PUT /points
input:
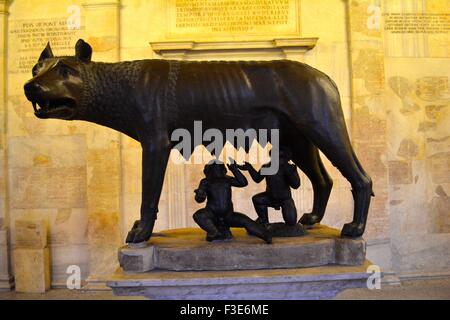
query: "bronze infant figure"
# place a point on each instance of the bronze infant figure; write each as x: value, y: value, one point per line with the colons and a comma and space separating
x: 149, y: 99
x: 219, y: 215
x: 278, y: 189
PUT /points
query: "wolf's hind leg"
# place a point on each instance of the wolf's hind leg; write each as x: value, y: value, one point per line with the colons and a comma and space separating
x: 334, y: 142
x: 306, y: 157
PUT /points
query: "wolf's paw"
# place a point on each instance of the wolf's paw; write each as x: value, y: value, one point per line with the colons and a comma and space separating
x: 267, y: 237
x: 141, y: 232
x: 352, y: 230
x: 309, y: 219
x: 136, y: 224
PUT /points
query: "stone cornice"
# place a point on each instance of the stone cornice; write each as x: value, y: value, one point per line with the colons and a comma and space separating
x: 180, y: 49
x: 101, y: 4
x: 4, y: 6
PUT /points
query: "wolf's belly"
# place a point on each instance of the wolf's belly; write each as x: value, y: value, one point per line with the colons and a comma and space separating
x: 225, y: 89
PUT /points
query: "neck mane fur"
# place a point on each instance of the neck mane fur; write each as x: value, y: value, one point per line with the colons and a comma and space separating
x: 107, y: 94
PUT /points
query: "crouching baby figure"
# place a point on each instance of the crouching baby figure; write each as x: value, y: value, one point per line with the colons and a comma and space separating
x: 219, y: 216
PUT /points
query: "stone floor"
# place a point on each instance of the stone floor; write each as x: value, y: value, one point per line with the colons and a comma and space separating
x: 417, y: 289
x: 436, y: 289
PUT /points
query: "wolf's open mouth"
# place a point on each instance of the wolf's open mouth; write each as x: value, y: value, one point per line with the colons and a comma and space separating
x: 58, y: 108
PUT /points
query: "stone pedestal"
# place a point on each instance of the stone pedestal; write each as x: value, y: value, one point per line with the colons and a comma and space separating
x: 187, y: 250
x: 180, y: 264
x: 277, y: 284
x: 6, y: 280
x: 32, y: 270
x: 31, y: 257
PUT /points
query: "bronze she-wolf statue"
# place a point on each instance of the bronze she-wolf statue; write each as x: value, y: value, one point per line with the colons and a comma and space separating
x: 148, y: 99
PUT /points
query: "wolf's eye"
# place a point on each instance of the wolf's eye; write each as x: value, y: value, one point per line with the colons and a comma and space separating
x: 34, y: 72
x: 65, y: 71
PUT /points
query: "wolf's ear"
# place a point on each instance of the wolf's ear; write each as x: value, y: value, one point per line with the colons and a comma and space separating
x: 83, y: 51
x: 47, y: 53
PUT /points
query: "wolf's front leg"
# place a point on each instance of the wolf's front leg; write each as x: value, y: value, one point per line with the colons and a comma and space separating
x: 154, y: 162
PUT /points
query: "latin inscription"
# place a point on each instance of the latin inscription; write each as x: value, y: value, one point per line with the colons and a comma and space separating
x: 30, y: 38
x: 412, y: 23
x: 222, y: 17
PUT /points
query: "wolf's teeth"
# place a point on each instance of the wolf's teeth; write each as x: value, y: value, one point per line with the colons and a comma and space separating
x: 34, y: 106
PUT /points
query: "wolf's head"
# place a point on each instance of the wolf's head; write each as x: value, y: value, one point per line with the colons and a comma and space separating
x: 56, y: 89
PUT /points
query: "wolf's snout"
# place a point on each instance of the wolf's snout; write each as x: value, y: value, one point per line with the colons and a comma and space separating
x: 32, y: 89
x: 31, y: 86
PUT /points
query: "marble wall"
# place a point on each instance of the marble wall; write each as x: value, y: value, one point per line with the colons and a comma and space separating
x: 418, y: 158
x: 84, y: 180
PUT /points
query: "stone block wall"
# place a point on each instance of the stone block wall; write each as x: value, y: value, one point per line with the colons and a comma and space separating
x: 84, y: 180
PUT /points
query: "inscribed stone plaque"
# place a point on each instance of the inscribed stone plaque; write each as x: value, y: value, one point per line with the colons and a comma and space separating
x: 29, y: 37
x: 47, y: 187
x: 417, y: 34
x: 424, y: 23
x: 230, y: 18
x: 31, y: 234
